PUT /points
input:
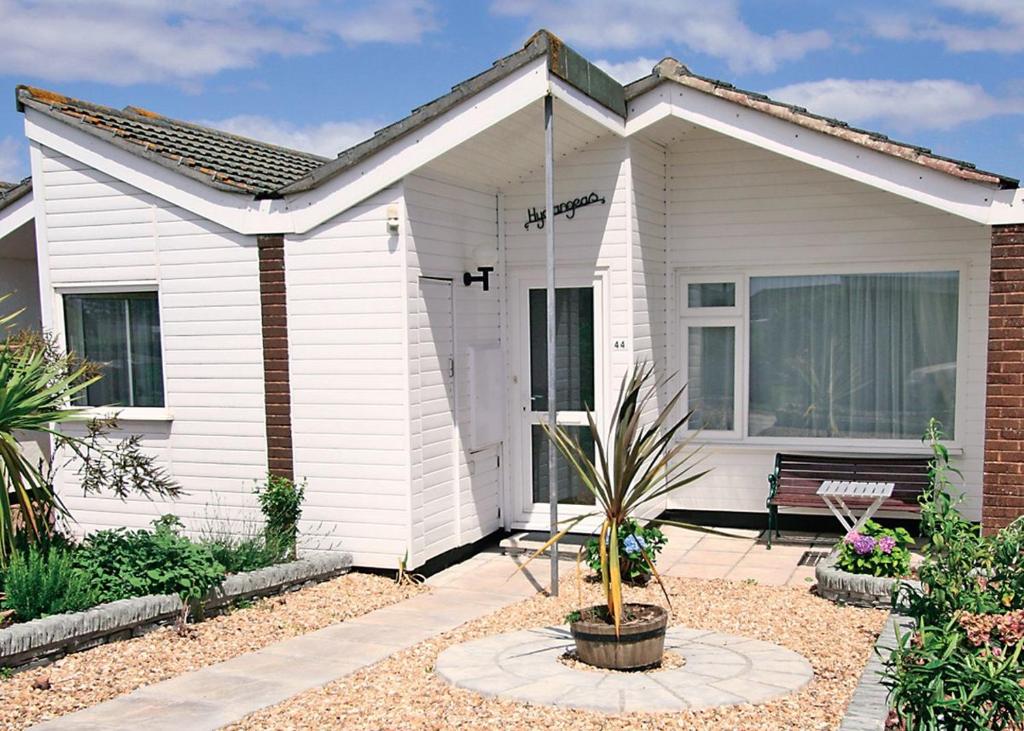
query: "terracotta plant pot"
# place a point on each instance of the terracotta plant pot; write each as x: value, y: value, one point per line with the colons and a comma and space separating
x: 640, y: 644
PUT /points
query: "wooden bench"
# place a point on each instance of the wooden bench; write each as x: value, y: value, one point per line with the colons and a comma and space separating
x: 795, y: 481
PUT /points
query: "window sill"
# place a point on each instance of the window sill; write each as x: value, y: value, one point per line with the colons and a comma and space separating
x: 822, y: 446
x: 141, y: 413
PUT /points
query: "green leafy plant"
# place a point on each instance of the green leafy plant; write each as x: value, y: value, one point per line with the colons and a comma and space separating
x: 638, y: 462
x: 876, y: 551
x: 122, y: 563
x: 38, y: 383
x: 40, y: 583
x: 245, y: 553
x: 634, y: 541
x: 960, y: 667
x: 280, y: 501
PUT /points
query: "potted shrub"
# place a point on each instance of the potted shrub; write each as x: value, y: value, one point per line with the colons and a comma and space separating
x: 637, y: 462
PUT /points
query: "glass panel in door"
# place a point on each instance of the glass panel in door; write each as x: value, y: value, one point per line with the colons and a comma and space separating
x: 574, y: 388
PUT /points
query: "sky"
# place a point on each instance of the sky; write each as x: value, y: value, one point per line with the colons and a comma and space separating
x: 321, y: 75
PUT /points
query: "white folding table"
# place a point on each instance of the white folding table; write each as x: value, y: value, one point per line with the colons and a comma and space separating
x: 835, y: 493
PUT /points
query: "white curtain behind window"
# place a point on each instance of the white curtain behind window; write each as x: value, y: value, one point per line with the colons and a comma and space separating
x: 854, y: 356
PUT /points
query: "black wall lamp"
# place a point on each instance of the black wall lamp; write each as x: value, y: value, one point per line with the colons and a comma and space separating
x: 485, y: 257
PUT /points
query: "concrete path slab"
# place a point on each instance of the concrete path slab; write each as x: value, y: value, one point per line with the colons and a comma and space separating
x: 220, y: 694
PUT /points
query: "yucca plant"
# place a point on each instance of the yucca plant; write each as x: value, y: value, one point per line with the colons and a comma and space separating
x: 35, y: 396
x: 638, y: 462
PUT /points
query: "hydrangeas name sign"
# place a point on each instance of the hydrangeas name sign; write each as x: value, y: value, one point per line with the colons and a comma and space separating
x: 569, y: 208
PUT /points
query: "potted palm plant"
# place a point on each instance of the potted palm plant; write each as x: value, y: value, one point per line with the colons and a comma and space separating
x: 639, y: 461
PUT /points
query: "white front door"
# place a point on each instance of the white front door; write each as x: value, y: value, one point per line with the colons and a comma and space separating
x: 579, y: 387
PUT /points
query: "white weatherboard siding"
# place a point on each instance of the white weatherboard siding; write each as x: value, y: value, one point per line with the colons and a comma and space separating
x: 648, y: 259
x: 19, y: 278
x: 101, y: 232
x: 734, y: 207
x: 346, y: 331
x: 446, y: 222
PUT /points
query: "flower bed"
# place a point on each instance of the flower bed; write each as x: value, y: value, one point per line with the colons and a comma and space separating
x: 49, y: 637
x: 101, y: 673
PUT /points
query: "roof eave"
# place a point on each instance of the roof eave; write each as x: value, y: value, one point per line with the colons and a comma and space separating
x: 9, y: 196
x: 673, y: 71
x: 563, y: 62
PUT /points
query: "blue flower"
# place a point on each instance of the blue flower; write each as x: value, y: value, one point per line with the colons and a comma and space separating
x: 631, y: 545
x: 641, y: 541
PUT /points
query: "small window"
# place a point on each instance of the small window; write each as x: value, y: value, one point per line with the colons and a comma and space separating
x: 711, y: 294
x: 711, y: 377
x: 121, y: 332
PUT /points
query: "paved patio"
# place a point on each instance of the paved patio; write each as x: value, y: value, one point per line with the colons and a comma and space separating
x: 220, y: 694
x: 691, y: 553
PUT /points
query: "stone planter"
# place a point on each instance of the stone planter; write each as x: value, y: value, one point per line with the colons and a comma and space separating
x: 638, y: 645
x: 859, y: 590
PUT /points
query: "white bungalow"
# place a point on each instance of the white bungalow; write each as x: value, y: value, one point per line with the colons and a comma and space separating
x: 821, y: 288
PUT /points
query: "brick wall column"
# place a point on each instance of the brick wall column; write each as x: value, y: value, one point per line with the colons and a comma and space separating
x: 1003, y: 489
x: 277, y: 392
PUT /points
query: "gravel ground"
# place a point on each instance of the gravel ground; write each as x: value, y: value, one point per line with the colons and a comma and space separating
x: 87, y: 678
x: 402, y: 692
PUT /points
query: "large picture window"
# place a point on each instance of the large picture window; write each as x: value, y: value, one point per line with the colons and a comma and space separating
x: 830, y: 356
x: 121, y: 332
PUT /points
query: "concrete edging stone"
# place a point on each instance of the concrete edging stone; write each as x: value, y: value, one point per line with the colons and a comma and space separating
x: 859, y: 590
x: 43, y: 640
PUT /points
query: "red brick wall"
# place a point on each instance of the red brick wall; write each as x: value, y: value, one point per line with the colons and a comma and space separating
x: 1003, y: 495
x: 277, y: 399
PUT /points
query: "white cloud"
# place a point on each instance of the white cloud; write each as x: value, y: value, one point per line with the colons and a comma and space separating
x: 136, y: 41
x: 13, y: 160
x: 627, y: 71
x: 904, y: 106
x: 327, y: 138
x: 713, y: 28
x: 988, y: 26
x: 390, y: 21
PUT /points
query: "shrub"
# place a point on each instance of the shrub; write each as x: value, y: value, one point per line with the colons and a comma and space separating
x: 876, y: 551
x: 280, y: 501
x: 40, y: 583
x: 122, y: 563
x: 245, y: 553
x: 960, y: 667
x: 633, y: 539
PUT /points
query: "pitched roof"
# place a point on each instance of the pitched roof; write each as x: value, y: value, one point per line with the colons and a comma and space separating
x: 669, y: 69
x: 225, y: 161
x: 563, y: 62
x: 241, y: 165
x: 11, y: 192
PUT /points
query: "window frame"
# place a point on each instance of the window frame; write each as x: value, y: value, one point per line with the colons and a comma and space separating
x: 741, y: 435
x: 714, y: 317
x: 123, y: 413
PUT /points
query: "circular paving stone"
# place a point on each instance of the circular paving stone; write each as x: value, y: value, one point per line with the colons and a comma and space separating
x: 720, y: 670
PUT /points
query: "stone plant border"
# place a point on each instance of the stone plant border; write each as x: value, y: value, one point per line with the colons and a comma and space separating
x: 43, y: 640
x: 869, y: 706
x: 859, y: 590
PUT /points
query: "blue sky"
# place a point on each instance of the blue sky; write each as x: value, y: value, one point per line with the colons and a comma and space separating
x: 321, y: 75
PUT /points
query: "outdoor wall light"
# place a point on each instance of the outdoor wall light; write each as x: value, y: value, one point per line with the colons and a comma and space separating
x: 485, y: 257
x: 392, y: 219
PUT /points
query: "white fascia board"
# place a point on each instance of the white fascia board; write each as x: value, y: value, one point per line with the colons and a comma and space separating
x: 1007, y: 208
x: 16, y: 215
x: 974, y: 201
x: 586, y: 106
x: 409, y: 153
x: 238, y: 212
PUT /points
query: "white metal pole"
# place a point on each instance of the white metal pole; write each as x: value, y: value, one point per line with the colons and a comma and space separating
x: 549, y: 223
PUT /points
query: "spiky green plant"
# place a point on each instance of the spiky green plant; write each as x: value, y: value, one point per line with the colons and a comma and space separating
x: 639, y: 461
x: 35, y: 393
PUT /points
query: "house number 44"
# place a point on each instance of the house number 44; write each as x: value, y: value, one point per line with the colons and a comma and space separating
x: 618, y: 345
